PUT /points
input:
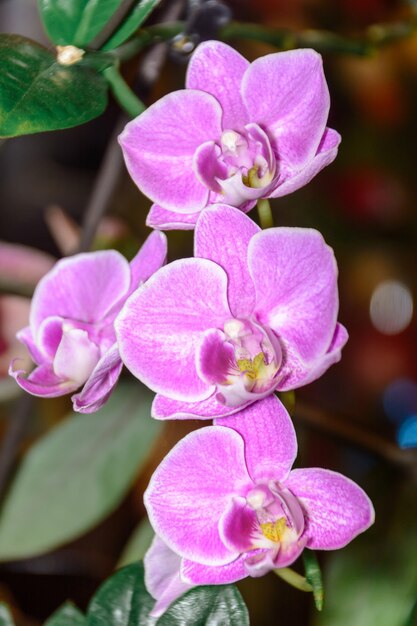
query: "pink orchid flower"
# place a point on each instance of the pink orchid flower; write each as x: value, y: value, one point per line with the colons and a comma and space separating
x: 239, y: 132
x: 71, y: 335
x: 255, y: 311
x: 225, y: 505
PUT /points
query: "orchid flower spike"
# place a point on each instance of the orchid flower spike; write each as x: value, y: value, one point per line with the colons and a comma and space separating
x: 240, y: 131
x: 225, y: 504
x: 255, y: 311
x: 71, y: 335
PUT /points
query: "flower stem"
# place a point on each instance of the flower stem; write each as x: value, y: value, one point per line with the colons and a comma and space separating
x: 293, y: 578
x: 265, y: 214
x: 122, y: 92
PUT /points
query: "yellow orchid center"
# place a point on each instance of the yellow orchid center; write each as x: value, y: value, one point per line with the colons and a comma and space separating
x: 274, y: 531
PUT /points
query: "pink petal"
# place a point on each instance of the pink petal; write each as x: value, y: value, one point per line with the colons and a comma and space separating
x: 100, y: 384
x: 291, y: 180
x: 219, y: 69
x: 190, y: 490
x: 151, y: 256
x: 207, y: 166
x: 84, y: 287
x: 286, y: 93
x: 76, y: 356
x: 164, y: 408
x: 297, y: 373
x: 162, y: 576
x: 158, y: 217
x: 198, y: 574
x: 289, y: 552
x: 162, y: 324
x: 49, y: 336
x: 43, y: 382
x: 337, y: 509
x: 159, y: 145
x: 269, y: 436
x: 214, y: 357
x: 238, y: 525
x: 223, y: 234
x: 295, y: 277
x: 21, y: 265
x: 25, y: 336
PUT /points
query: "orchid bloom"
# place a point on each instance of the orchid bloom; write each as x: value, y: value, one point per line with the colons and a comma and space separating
x: 240, y: 131
x: 225, y: 505
x: 71, y: 335
x: 255, y: 311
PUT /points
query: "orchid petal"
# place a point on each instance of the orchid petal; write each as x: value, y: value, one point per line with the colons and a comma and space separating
x: 295, y: 277
x: 198, y: 574
x: 269, y: 436
x: 162, y: 323
x: 223, y: 234
x: 191, y: 489
x: 159, y: 145
x: 43, y: 381
x: 151, y: 256
x: 214, y: 356
x: 238, y: 525
x: 286, y: 93
x: 84, y: 287
x: 165, y: 408
x: 159, y: 217
x: 76, y: 356
x: 25, y: 336
x: 336, y: 508
x: 218, y: 69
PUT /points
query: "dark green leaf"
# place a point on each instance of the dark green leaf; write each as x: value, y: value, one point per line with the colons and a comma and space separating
x: 5, y: 617
x: 67, y: 615
x: 38, y: 94
x: 138, y: 543
x: 76, y: 22
x: 206, y: 606
x: 133, y: 20
x: 77, y: 474
x: 121, y: 600
x: 412, y: 618
x: 313, y: 576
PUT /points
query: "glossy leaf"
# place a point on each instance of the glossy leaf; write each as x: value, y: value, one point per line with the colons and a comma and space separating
x: 38, y: 94
x: 313, y: 577
x: 124, y: 600
x: 133, y: 20
x: 76, y: 22
x: 67, y: 615
x: 77, y: 474
x: 5, y: 616
x: 138, y: 543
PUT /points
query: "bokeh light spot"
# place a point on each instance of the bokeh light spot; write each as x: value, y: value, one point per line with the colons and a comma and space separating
x: 391, y: 308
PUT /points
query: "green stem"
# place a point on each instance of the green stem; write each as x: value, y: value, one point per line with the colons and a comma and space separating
x: 152, y: 34
x: 293, y: 579
x: 123, y: 93
x: 265, y: 214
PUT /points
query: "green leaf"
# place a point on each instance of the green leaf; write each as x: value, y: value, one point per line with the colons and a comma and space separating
x: 133, y: 20
x: 38, y: 94
x: 77, y: 474
x: 76, y: 22
x: 313, y: 576
x: 138, y: 543
x: 204, y: 606
x: 5, y: 617
x: 67, y: 615
x: 124, y: 600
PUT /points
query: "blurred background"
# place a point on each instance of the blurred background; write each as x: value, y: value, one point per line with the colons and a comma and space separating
x: 360, y: 418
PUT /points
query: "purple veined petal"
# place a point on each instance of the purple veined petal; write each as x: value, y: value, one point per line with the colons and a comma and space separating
x: 214, y: 355
x: 286, y: 93
x: 223, y: 234
x: 296, y: 373
x: 162, y: 323
x: 84, y: 287
x: 76, y: 356
x: 207, y: 166
x: 164, y: 408
x: 218, y: 69
x: 159, y: 146
x: 289, y: 552
x: 336, y: 508
x: 100, y: 384
x: 25, y: 336
x: 269, y: 436
x: 291, y: 180
x: 164, y: 219
x: 190, y: 490
x: 198, y: 574
x: 42, y: 381
x: 238, y: 525
x: 151, y: 256
x: 49, y: 336
x: 163, y: 581
x: 295, y: 277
